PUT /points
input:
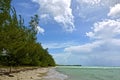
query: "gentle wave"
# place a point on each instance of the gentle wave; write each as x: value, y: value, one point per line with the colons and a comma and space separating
x: 90, y: 73
x: 88, y: 67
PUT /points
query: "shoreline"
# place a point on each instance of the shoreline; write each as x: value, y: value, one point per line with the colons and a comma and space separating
x: 37, y: 74
x: 53, y: 74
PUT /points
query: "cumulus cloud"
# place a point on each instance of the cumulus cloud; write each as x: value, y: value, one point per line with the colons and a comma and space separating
x: 115, y: 11
x: 98, y: 53
x: 105, y: 30
x: 58, y: 10
x: 102, y: 51
x: 82, y: 48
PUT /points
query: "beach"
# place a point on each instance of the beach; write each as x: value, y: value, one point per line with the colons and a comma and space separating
x: 35, y: 74
x: 52, y: 74
x: 66, y: 73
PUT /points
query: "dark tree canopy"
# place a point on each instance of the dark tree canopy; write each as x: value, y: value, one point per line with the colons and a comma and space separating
x: 18, y: 45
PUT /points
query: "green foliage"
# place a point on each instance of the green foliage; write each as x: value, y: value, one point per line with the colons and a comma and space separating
x: 4, y: 10
x: 18, y: 44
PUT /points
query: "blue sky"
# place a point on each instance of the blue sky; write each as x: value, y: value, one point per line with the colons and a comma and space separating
x: 85, y: 32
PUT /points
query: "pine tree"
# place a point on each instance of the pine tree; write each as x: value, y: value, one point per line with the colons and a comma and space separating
x: 18, y: 45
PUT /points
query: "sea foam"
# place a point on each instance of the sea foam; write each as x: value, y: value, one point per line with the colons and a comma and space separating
x: 54, y: 75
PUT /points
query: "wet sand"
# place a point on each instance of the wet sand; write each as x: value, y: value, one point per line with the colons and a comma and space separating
x: 52, y: 74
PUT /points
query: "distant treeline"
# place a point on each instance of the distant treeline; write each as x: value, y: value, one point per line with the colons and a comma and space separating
x: 18, y: 45
x: 68, y: 65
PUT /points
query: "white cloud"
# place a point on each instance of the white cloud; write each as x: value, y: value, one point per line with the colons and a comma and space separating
x: 105, y: 30
x: 103, y: 51
x: 91, y: 2
x: 109, y: 3
x: 99, y: 2
x: 58, y: 45
x: 82, y: 48
x: 40, y: 30
x: 115, y: 11
x: 58, y: 10
x: 44, y: 16
x: 98, y: 53
x: 88, y: 9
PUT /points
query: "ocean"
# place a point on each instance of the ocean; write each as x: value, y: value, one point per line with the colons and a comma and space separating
x: 89, y: 73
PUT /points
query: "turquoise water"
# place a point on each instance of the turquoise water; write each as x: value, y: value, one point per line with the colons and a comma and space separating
x: 90, y: 73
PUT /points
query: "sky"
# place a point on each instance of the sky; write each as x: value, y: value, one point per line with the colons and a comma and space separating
x: 85, y: 32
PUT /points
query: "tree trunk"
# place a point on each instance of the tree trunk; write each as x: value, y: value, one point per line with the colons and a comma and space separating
x: 10, y: 69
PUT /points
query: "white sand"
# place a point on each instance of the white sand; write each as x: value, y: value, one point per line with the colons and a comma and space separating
x: 54, y: 75
x: 36, y: 74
